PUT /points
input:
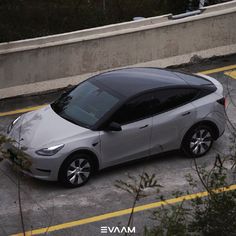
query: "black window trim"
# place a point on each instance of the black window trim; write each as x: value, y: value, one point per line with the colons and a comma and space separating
x: 134, y: 97
x: 104, y: 121
x: 183, y: 104
x: 100, y: 124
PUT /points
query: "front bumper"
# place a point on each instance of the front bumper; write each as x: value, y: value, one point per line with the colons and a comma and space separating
x: 44, y: 168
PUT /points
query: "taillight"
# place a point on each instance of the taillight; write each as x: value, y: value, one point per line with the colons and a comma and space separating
x: 222, y: 101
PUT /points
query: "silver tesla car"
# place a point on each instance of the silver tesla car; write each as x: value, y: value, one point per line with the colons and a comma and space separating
x: 119, y: 116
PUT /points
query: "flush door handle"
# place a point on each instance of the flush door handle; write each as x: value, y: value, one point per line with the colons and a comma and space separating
x: 143, y: 127
x: 186, y: 113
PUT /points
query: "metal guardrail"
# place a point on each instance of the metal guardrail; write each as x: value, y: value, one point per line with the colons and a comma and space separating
x: 186, y: 14
x: 176, y: 17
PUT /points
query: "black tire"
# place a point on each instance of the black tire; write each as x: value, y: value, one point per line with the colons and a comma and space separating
x: 76, y: 170
x: 198, y: 141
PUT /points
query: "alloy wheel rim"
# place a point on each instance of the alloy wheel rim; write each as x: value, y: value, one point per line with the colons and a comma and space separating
x: 78, y: 171
x: 200, y: 142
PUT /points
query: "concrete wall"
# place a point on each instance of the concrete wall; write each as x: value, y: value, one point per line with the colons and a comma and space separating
x: 52, y: 62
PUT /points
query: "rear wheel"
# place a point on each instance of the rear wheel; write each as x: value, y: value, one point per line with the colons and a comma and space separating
x: 198, y: 141
x: 76, y: 170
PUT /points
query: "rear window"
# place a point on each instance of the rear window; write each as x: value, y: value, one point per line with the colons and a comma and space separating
x: 168, y: 99
x: 193, y: 79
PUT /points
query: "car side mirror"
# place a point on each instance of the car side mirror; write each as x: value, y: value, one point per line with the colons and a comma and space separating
x: 114, y: 126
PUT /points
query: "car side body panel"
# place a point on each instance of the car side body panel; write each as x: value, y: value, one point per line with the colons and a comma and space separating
x: 132, y: 142
x: 169, y: 128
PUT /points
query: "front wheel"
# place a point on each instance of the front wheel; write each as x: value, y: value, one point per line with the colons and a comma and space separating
x: 198, y: 141
x: 76, y: 170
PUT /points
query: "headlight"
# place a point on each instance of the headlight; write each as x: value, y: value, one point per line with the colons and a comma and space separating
x: 12, y: 124
x: 50, y: 151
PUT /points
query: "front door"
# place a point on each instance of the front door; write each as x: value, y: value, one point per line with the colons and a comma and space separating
x: 133, y: 141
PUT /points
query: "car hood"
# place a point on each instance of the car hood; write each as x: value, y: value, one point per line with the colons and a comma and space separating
x: 43, y: 128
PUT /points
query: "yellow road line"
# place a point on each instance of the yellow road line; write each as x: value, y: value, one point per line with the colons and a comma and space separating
x: 19, y: 111
x: 207, y: 72
x: 231, y: 74
x: 122, y: 212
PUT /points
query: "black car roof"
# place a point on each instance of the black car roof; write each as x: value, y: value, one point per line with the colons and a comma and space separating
x: 131, y: 81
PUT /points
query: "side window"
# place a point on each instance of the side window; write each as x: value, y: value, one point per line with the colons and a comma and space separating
x: 134, y: 110
x: 168, y: 99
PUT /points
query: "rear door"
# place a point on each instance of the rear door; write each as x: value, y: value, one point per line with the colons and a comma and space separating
x: 174, y: 115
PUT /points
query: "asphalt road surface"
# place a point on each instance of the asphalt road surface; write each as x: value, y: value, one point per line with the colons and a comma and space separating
x: 80, y: 211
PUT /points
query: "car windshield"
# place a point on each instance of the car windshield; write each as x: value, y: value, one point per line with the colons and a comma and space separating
x: 85, y: 104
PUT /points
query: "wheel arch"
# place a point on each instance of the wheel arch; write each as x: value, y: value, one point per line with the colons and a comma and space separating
x: 83, y: 151
x: 208, y: 123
